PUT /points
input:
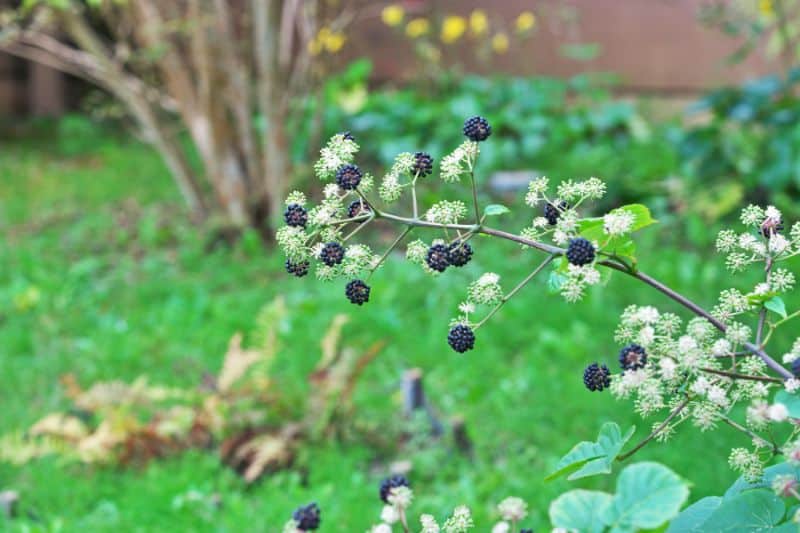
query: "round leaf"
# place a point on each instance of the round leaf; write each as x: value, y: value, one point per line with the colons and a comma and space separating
x: 580, y: 510
x: 648, y: 495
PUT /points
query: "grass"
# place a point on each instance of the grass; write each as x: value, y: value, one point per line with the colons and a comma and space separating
x: 100, y: 278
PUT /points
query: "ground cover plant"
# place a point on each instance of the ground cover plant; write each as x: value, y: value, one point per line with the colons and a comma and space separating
x: 695, y: 372
x: 95, y: 241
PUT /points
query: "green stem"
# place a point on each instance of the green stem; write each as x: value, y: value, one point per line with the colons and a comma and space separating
x: 515, y: 290
x: 387, y: 252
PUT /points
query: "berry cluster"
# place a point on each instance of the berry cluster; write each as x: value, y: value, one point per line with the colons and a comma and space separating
x: 580, y: 252
x: 596, y: 377
x: 461, y: 338
x: 477, y: 129
x: 390, y: 483
x: 423, y: 164
x: 438, y: 258
x: 357, y: 207
x: 632, y: 357
x: 357, y: 292
x: 459, y: 254
x: 771, y: 226
x: 348, y: 177
x: 296, y: 216
x: 332, y: 254
x: 553, y: 212
x: 298, y: 269
x: 307, y: 517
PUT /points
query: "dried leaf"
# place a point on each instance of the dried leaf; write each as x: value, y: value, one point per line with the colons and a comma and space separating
x: 236, y: 364
x: 61, y: 426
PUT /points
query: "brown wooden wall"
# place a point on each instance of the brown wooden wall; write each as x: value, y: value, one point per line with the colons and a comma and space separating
x: 654, y: 45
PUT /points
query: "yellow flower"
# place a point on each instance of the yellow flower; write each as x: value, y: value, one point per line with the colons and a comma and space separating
x: 315, y: 47
x: 392, y: 15
x: 500, y: 43
x: 526, y: 21
x: 765, y: 8
x: 417, y: 27
x: 334, y: 41
x: 478, y: 22
x: 453, y: 28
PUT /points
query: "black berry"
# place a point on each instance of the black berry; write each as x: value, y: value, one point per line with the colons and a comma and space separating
x: 296, y: 215
x: 525, y: 531
x: 357, y: 207
x: 459, y: 254
x: 477, y: 129
x: 357, y: 292
x: 332, y: 254
x: 347, y: 136
x: 580, y: 252
x: 298, y: 269
x: 632, y: 357
x: 423, y: 164
x: 596, y: 377
x: 307, y: 517
x: 437, y: 257
x: 461, y: 338
x: 796, y: 367
x: 348, y: 177
x: 390, y: 483
x: 770, y: 227
x: 553, y: 212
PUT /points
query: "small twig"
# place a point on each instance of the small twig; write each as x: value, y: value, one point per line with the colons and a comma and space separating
x: 388, y: 251
x: 515, y: 290
x: 656, y: 431
x: 737, y: 375
x: 749, y: 433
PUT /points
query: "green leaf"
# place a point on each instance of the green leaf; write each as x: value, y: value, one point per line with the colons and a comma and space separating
x: 648, y: 495
x: 580, y: 510
x: 642, y: 216
x: 693, y: 517
x: 752, y: 510
x: 776, y: 305
x: 494, y: 210
x: 592, y: 458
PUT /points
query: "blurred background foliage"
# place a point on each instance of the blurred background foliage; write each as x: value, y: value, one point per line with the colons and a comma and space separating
x: 105, y: 278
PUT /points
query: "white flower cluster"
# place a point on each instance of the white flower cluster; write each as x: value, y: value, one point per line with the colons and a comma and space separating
x: 576, y: 279
x: 296, y: 197
x: 537, y: 191
x: 794, y: 353
x: 681, y: 361
x: 459, y: 161
x: 357, y: 258
x: 618, y: 222
x: 762, y: 240
x: 339, y: 151
x: 747, y: 463
x: 576, y: 191
x: 460, y: 521
x: 513, y: 509
x: 291, y: 527
x: 446, y: 212
x: 486, y: 289
x: 570, y: 194
x: 392, y: 185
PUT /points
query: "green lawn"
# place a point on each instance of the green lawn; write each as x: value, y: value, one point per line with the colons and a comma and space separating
x: 99, y: 277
